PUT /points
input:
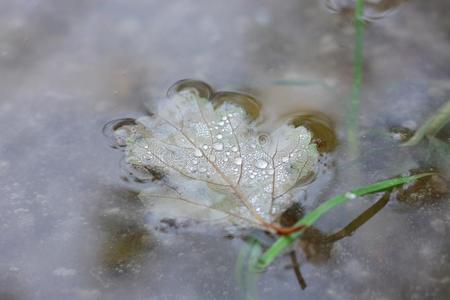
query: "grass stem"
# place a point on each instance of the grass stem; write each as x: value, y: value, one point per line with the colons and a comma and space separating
x: 285, y: 241
x: 358, y: 62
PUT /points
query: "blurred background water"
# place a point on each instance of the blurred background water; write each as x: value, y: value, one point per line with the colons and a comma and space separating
x: 71, y: 228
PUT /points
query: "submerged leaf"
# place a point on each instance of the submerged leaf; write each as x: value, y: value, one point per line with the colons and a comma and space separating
x: 216, y: 165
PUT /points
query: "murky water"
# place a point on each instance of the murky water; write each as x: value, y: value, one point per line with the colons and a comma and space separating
x: 71, y: 224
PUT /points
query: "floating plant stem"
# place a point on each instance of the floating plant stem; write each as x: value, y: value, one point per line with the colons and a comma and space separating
x: 306, y: 83
x: 358, y: 61
x: 283, y: 242
x: 432, y: 126
x: 298, y: 274
x: 350, y: 228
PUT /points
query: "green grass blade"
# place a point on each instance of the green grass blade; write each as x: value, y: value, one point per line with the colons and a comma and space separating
x: 244, y: 273
x: 283, y: 242
x: 439, y: 155
x: 358, y: 62
x: 432, y: 126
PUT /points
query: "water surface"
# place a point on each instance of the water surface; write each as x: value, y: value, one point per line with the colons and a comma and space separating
x: 72, y: 228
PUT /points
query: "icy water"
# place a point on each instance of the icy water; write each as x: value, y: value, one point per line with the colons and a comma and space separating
x: 71, y: 224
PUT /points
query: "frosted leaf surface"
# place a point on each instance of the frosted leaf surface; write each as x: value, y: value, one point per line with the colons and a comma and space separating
x: 215, y: 164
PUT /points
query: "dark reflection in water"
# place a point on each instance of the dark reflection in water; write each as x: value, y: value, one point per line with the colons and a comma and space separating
x: 249, y: 103
x: 426, y: 191
x: 124, y: 248
x: 126, y: 243
x: 321, y: 127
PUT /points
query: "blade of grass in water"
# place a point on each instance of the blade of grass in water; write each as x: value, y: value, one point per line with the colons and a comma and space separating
x: 244, y: 273
x: 432, y: 126
x: 303, y: 83
x: 358, y: 61
x: 283, y: 242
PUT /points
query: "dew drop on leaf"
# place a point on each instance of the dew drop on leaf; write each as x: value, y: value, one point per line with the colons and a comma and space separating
x: 238, y: 161
x: 218, y: 146
x: 350, y: 195
x: 261, y: 164
x: 198, y: 153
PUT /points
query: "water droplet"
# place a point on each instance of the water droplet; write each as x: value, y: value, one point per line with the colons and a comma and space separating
x: 224, y: 118
x: 234, y: 149
x: 221, y: 123
x: 195, y: 161
x: 230, y: 115
x: 270, y: 171
x: 219, y: 136
x: 212, y: 158
x: 349, y: 195
x: 205, y: 147
x: 261, y: 164
x: 285, y: 159
x: 198, y: 153
x: 252, y: 176
x: 202, y: 170
x: 238, y: 161
x: 218, y: 146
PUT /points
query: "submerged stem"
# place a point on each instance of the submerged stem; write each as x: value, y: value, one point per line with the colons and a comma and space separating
x: 432, y: 126
x: 285, y: 241
x: 358, y: 61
